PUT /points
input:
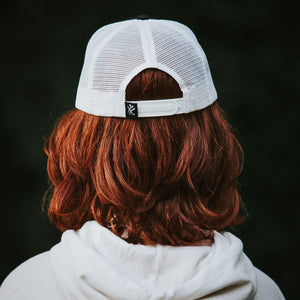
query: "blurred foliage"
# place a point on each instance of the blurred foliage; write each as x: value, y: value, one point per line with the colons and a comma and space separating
x: 250, y: 48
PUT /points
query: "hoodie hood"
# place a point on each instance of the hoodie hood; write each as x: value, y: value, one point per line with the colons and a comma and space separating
x: 93, y: 263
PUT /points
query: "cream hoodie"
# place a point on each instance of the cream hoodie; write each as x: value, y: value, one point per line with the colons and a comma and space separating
x: 93, y: 263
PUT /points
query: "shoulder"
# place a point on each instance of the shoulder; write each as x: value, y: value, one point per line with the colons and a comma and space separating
x: 31, y: 280
x: 266, y: 287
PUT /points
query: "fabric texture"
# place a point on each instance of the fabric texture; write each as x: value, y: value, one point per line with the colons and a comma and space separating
x: 93, y: 263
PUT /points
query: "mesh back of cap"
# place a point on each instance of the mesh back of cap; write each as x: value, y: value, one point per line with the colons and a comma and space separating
x: 119, y: 51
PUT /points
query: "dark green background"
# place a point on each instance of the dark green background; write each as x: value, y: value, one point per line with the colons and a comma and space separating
x: 251, y: 49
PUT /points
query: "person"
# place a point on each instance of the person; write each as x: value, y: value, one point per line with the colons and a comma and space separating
x: 144, y: 179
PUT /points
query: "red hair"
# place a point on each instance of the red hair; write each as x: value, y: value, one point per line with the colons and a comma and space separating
x: 167, y: 180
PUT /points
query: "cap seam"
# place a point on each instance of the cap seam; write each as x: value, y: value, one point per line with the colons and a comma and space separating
x: 148, y: 42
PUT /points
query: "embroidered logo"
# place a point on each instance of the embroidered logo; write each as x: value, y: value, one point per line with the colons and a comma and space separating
x: 131, y: 110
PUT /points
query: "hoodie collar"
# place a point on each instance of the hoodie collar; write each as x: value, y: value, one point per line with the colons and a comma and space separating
x: 94, y: 263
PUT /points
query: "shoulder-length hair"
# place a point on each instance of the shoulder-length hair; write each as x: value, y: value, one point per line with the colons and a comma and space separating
x: 158, y: 180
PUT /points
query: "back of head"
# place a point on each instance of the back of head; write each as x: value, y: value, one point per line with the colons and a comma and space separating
x: 165, y: 179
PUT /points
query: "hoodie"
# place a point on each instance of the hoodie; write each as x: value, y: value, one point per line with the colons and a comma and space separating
x: 93, y: 263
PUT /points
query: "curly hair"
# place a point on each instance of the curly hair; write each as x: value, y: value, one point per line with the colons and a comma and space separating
x: 158, y: 180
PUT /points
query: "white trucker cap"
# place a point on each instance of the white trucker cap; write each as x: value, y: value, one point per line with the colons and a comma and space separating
x: 117, y: 52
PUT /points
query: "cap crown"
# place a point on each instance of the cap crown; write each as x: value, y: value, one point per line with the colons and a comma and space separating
x: 119, y: 51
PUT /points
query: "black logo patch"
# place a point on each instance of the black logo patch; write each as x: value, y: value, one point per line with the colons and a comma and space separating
x: 131, y: 110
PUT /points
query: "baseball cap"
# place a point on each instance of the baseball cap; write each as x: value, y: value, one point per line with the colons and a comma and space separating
x: 117, y: 52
